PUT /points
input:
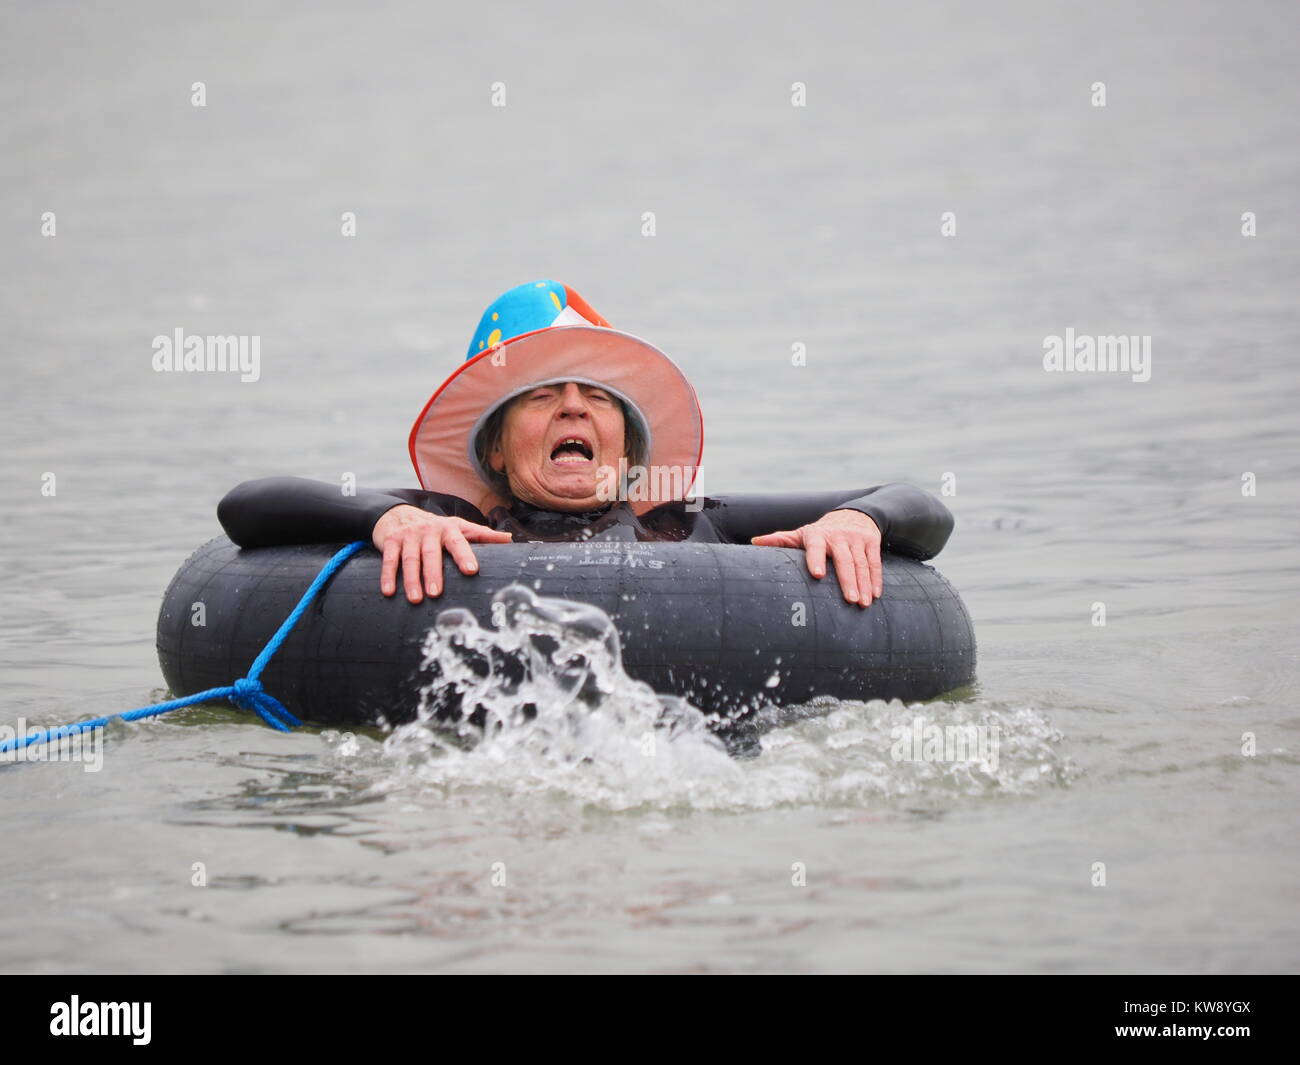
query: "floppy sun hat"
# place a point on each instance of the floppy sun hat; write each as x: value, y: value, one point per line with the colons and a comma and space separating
x: 543, y: 333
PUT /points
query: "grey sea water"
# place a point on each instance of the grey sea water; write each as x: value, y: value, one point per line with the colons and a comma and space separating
x: 1168, y: 504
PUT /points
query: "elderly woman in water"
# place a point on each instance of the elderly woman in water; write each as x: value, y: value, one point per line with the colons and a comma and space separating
x: 559, y: 427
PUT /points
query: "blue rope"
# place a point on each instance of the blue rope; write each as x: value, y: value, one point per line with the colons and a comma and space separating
x: 246, y: 693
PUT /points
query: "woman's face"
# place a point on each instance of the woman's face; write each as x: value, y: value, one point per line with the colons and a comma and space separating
x: 554, y: 439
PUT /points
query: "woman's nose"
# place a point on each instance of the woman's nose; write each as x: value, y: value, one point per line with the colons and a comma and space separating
x: 572, y: 401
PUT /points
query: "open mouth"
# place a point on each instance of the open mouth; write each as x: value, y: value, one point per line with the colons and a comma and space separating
x: 572, y: 449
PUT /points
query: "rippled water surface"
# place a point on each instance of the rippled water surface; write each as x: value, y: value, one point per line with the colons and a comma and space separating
x: 561, y: 845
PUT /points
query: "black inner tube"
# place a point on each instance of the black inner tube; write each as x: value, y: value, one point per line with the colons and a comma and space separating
x: 731, y: 628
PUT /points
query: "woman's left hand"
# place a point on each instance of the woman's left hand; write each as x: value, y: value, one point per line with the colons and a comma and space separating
x: 853, y: 542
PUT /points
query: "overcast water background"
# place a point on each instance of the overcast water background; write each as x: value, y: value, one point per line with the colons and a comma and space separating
x: 775, y: 225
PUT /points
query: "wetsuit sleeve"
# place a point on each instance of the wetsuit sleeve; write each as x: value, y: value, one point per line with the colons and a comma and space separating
x: 295, y: 510
x: 912, y: 521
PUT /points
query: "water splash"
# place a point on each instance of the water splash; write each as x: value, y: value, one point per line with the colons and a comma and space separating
x: 548, y: 678
x: 540, y: 704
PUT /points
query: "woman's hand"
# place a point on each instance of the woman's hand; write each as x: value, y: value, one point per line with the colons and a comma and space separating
x: 416, y: 539
x: 853, y: 541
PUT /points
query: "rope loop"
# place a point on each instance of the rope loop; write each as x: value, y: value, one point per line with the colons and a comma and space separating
x: 247, y: 693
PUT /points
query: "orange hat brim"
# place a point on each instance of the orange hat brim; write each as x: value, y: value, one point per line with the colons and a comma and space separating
x: 442, y: 438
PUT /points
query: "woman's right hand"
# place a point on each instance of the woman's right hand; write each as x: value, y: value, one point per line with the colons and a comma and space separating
x: 416, y: 539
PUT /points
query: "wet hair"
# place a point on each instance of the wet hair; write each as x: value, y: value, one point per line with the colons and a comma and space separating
x: 489, y: 438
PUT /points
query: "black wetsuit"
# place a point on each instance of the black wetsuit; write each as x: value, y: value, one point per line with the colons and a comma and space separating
x: 294, y: 510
